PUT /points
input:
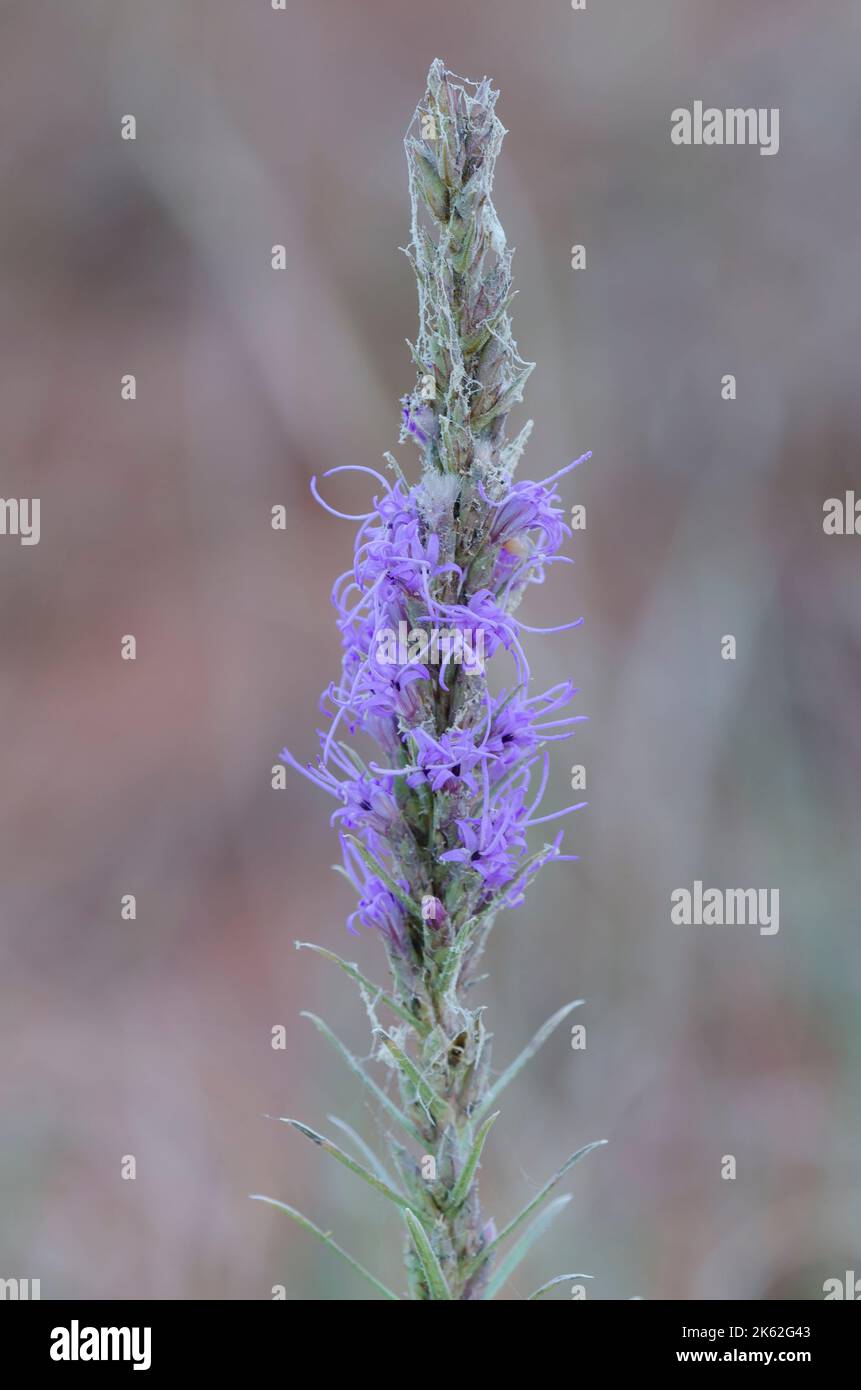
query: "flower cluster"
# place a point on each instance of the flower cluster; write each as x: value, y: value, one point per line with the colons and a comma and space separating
x: 453, y: 794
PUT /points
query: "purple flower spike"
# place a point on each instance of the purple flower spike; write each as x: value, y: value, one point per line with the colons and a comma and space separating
x: 439, y: 785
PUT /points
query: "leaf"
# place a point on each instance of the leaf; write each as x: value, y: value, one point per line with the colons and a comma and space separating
x: 326, y: 1238
x: 382, y: 874
x: 431, y: 185
x: 448, y: 974
x: 560, y: 1279
x: 436, y: 1107
x: 522, y: 1247
x: 348, y: 1162
x: 525, y: 1056
x: 364, y: 1149
x: 358, y: 1070
x: 531, y: 1206
x: 431, y: 1268
x: 461, y: 256
x: 393, y: 463
x: 478, y: 335
x: 378, y: 995
x: 462, y: 1186
x: 506, y: 399
x: 409, y: 1173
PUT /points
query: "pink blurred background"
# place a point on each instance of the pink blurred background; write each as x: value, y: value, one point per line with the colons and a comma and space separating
x: 152, y: 1037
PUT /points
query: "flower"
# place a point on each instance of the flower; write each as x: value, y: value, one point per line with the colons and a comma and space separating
x: 417, y: 419
x: 480, y: 766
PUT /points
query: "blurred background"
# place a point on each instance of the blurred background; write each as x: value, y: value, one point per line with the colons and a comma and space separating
x: 152, y: 1037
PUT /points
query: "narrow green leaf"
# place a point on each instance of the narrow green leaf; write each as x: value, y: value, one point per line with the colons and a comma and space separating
x: 531, y: 1206
x: 436, y: 1107
x: 390, y: 458
x: 378, y: 995
x: 431, y: 185
x: 461, y: 257
x: 522, y: 1247
x: 365, y: 1150
x: 358, y: 1070
x: 385, y: 877
x: 456, y: 954
x: 525, y: 1056
x: 551, y: 1283
x: 434, y: 1276
x: 410, y: 1174
x: 507, y: 398
x: 462, y: 1186
x: 347, y: 1161
x: 326, y: 1238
